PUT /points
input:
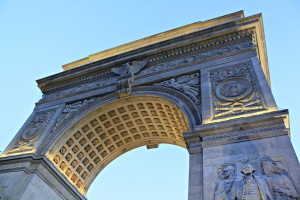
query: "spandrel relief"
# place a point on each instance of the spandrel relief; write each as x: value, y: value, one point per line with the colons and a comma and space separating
x: 32, y: 132
x: 187, y: 84
x: 70, y: 109
x: 279, y: 180
x: 235, y: 91
x: 272, y: 181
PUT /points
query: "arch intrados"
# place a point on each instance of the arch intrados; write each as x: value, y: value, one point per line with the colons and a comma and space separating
x: 185, y: 104
x: 97, y: 149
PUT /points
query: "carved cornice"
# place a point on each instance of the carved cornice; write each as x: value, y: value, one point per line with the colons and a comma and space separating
x: 198, y: 28
x: 160, y: 61
x: 204, y: 45
x: 77, y: 80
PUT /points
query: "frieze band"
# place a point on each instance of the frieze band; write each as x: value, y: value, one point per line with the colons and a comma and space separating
x: 241, y: 133
x: 108, y: 78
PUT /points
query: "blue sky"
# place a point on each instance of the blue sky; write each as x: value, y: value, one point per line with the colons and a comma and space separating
x: 37, y: 37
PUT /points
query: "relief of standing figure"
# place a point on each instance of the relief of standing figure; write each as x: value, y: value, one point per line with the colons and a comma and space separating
x: 254, y: 187
x: 282, y: 186
x: 224, y: 184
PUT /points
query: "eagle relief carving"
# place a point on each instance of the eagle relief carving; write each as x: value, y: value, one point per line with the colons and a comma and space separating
x: 126, y: 73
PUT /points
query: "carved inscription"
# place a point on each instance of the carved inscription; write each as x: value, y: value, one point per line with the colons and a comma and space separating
x: 187, y: 84
x: 235, y: 91
x: 31, y: 133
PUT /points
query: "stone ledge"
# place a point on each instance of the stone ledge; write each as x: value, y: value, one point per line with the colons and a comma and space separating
x: 270, y: 124
x: 40, y: 166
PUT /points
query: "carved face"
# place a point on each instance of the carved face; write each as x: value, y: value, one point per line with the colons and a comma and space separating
x: 228, y: 171
x: 248, y: 169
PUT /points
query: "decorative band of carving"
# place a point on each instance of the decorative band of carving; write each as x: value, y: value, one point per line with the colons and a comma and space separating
x: 108, y: 78
x: 241, y: 133
x: 201, y: 45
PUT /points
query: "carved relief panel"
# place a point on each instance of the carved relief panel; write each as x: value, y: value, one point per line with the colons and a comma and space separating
x: 2, y: 192
x: 29, y: 135
x: 255, y: 179
x: 232, y: 90
x: 189, y: 85
x: 162, y: 61
x: 235, y: 91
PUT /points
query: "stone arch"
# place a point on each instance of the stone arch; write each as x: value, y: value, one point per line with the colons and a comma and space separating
x: 112, y: 128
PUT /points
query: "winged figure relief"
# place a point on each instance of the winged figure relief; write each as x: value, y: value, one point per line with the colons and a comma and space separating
x: 130, y: 68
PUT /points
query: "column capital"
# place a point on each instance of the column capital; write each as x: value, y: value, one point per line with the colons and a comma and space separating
x: 193, y: 142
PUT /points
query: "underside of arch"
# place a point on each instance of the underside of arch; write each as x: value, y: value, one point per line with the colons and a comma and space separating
x: 111, y: 130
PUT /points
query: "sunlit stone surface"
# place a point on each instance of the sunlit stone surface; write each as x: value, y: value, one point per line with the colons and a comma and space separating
x: 204, y: 87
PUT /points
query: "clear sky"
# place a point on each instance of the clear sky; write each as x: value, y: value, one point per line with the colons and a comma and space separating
x: 37, y: 37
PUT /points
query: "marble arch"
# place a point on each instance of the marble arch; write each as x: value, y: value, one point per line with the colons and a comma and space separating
x: 204, y: 86
x: 112, y: 129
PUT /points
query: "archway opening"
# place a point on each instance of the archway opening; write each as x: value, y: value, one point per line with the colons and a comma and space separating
x: 109, y: 131
x: 160, y: 174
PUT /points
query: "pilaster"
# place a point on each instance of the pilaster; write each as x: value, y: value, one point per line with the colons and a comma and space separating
x: 261, y: 141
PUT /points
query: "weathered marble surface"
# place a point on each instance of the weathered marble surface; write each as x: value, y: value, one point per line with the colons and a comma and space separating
x: 208, y: 91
